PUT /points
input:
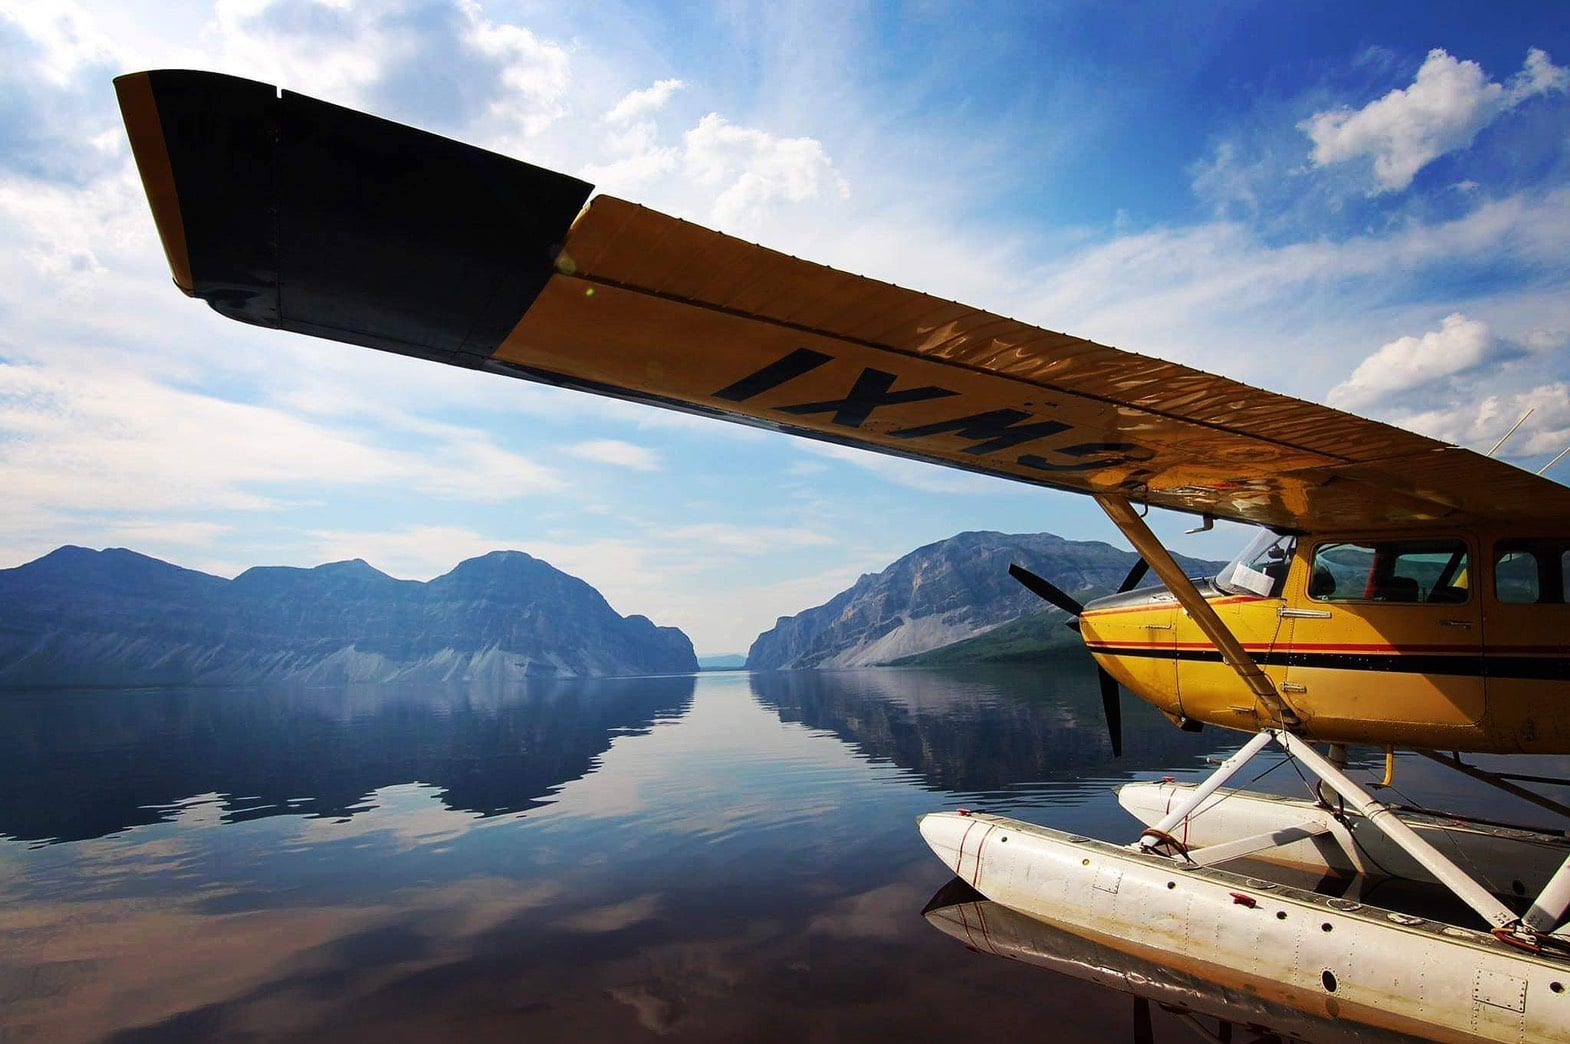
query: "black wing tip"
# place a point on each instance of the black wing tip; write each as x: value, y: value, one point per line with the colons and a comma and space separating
x: 385, y: 235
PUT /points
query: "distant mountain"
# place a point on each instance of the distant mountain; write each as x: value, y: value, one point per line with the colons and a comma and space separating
x: 726, y: 662
x: 941, y: 594
x: 1031, y: 637
x: 115, y: 617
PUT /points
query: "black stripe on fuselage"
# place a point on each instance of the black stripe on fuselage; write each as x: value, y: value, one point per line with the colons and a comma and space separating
x: 1530, y: 668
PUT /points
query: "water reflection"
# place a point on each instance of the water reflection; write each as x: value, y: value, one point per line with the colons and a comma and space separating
x: 707, y: 859
x: 78, y: 765
x: 1212, y: 1008
x: 1011, y: 737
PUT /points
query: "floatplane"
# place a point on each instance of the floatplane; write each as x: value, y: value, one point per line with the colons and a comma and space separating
x: 1402, y: 593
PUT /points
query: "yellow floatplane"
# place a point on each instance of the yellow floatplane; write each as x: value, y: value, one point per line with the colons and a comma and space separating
x: 1402, y: 593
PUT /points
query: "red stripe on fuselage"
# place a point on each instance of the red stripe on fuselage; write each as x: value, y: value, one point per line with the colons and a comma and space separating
x: 1149, y: 606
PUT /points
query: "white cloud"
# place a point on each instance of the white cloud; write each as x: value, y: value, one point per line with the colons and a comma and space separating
x: 646, y: 102
x: 150, y: 532
x: 303, y: 45
x: 623, y: 177
x: 617, y: 453
x: 1442, y: 111
x: 1546, y: 340
x: 68, y: 39
x: 721, y: 174
x: 1466, y: 385
x: 747, y: 540
x: 1480, y: 423
x: 533, y: 73
x: 1221, y: 297
x: 108, y: 441
x: 443, y: 65
x: 751, y: 170
x: 1411, y: 362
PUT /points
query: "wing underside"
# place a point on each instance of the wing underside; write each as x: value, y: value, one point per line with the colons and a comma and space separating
x: 287, y: 212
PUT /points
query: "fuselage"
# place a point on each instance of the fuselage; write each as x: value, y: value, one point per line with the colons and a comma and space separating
x: 1453, y: 639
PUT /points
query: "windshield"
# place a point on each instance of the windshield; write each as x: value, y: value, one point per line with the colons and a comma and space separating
x: 1261, y: 567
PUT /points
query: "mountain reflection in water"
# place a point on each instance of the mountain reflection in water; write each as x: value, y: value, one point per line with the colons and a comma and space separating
x: 1023, y: 736
x: 76, y: 765
x: 700, y: 859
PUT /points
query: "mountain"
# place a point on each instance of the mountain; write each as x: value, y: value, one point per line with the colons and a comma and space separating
x: 941, y: 594
x: 1029, y: 638
x: 723, y: 662
x: 115, y: 617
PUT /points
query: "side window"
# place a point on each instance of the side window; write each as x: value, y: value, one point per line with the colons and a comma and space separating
x: 1531, y: 572
x: 1515, y: 578
x: 1340, y: 572
x: 1403, y: 571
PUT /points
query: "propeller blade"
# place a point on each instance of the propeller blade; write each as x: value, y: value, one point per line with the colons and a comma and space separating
x: 1112, y: 710
x: 1135, y: 575
x: 1045, y: 590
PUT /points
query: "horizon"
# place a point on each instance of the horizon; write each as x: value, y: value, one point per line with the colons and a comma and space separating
x: 621, y: 610
x: 1380, y: 199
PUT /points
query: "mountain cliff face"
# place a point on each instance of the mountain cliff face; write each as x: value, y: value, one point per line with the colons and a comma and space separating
x: 115, y: 617
x: 940, y: 594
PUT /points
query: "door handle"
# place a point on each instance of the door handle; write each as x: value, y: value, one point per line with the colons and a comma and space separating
x: 1455, y: 623
x: 1286, y: 613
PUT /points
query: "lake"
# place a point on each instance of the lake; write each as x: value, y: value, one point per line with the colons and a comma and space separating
x: 726, y: 857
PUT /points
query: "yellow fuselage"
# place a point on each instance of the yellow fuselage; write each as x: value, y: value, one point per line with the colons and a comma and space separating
x: 1448, y: 639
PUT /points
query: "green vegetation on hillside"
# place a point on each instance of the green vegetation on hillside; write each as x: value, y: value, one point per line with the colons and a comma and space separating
x: 1039, y: 636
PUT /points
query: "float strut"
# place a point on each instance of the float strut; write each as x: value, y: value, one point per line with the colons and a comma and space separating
x: 1550, y: 907
x: 1431, y: 859
x: 1162, y: 831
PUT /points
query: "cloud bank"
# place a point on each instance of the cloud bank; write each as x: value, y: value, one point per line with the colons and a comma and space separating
x: 1443, y: 111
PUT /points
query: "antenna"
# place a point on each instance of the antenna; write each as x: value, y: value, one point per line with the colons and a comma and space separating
x: 1544, y: 469
x: 1511, y: 432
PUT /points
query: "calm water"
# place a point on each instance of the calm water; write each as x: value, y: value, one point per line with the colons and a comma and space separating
x: 727, y: 857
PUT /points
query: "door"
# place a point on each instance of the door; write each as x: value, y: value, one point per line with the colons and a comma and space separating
x: 1528, y: 644
x: 1387, y: 632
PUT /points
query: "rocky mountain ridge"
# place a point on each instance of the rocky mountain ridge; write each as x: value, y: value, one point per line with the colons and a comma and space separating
x: 78, y: 617
x: 945, y: 592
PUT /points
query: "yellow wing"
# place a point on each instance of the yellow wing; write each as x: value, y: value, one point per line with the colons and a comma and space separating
x: 288, y: 212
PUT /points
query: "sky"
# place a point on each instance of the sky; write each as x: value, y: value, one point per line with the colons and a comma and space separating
x: 1362, y: 205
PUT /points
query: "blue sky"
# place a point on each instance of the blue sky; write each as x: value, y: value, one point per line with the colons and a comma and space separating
x: 1366, y: 205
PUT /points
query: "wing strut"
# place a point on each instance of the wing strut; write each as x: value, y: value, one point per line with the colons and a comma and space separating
x: 1150, y: 548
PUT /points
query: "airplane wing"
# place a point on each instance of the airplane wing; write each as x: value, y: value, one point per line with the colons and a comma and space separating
x: 288, y: 212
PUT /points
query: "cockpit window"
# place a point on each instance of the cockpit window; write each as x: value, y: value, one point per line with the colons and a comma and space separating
x: 1531, y: 572
x: 1261, y: 568
x: 1410, y: 571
